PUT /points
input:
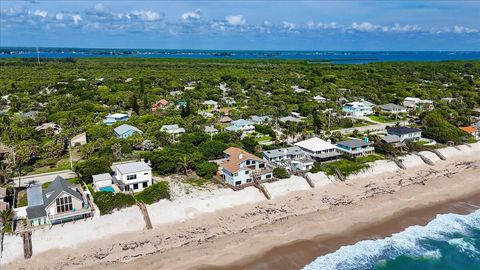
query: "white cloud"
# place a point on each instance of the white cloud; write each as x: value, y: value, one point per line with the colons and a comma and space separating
x: 464, y: 30
x: 365, y: 27
x: 192, y: 15
x: 405, y: 28
x: 59, y: 16
x: 267, y: 24
x: 76, y: 18
x: 289, y: 26
x: 40, y: 13
x: 235, y: 20
x: 146, y: 15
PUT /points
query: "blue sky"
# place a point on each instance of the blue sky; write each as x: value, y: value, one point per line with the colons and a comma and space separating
x: 263, y: 25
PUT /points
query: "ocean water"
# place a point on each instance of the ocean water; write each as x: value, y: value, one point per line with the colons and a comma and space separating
x: 336, y: 57
x: 450, y: 241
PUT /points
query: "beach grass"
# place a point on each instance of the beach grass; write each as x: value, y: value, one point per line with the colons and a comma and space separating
x: 347, y: 166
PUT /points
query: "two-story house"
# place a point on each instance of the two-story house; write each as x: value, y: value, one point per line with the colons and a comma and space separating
x: 241, y: 167
x: 406, y: 133
x: 292, y: 158
x: 132, y: 176
x: 357, y: 109
x: 356, y: 148
x: 242, y: 125
x: 319, y: 149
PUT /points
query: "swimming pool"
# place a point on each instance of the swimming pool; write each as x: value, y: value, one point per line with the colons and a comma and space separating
x: 107, y: 189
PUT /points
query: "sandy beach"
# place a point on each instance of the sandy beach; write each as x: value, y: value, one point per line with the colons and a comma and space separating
x: 287, y: 232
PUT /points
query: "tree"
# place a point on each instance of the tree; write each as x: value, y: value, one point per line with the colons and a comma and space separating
x: 250, y: 144
x: 134, y: 104
x: 117, y: 151
x: 143, y: 95
x: 317, y: 122
x: 91, y: 166
x: 212, y: 149
x: 7, y: 218
x: 184, y: 163
x: 206, y: 169
x: 281, y: 173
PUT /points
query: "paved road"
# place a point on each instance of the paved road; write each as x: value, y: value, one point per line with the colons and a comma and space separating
x: 372, y: 128
x: 43, y: 177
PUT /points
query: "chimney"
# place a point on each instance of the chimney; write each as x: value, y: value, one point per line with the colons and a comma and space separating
x: 240, y: 156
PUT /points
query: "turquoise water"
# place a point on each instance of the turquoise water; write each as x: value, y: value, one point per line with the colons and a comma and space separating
x: 107, y: 189
x: 450, y: 241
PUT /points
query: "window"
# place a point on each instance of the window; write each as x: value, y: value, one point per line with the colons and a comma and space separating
x: 268, y: 176
x: 247, y: 172
x: 64, y: 204
x: 238, y: 183
x: 127, y: 188
x: 261, y: 165
x: 145, y: 184
x: 131, y: 177
x: 249, y: 180
x: 135, y: 186
x: 145, y: 173
x: 248, y: 162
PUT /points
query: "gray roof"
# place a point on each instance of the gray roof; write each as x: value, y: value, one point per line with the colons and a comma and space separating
x: 260, y: 119
x: 37, y: 211
x: 291, y: 119
x: 125, y: 128
x: 293, y: 150
x: 210, y: 129
x: 30, y: 114
x: 101, y: 177
x: 368, y: 103
x: 354, y: 143
x: 34, y: 195
x: 133, y: 167
x: 58, y: 186
x: 391, y: 139
x: 392, y: 107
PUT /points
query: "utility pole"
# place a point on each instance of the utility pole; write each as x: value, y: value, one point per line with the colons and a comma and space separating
x: 70, y: 152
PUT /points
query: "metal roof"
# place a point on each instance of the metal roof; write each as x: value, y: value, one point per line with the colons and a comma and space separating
x: 101, y: 177
x: 402, y: 130
x: 133, y: 167
x: 126, y: 128
x: 293, y: 150
x: 354, y: 143
x: 34, y: 195
x: 58, y: 186
x: 315, y: 144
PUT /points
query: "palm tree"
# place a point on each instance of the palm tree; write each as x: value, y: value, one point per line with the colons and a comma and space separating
x: 6, y: 216
x: 184, y: 163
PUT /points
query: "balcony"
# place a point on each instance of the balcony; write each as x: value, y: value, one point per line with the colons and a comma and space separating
x: 70, y: 214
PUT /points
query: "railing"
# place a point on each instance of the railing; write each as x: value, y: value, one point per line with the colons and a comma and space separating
x: 70, y: 214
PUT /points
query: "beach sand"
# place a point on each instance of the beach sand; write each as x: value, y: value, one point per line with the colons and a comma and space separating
x: 292, y: 229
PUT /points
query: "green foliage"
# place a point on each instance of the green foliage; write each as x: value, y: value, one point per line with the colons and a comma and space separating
x: 6, y: 216
x: 213, y: 149
x: 249, y: 144
x: 440, y: 130
x: 280, y: 173
x: 109, y: 201
x: 206, y: 169
x: 154, y: 193
x: 267, y: 130
x: 92, y: 166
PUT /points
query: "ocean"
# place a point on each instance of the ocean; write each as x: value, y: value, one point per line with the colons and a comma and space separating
x: 450, y: 241
x: 335, y: 57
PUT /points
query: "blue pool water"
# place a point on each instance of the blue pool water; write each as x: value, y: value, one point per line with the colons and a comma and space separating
x: 107, y: 189
x: 450, y: 241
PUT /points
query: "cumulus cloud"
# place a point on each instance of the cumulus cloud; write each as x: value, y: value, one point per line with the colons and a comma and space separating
x: 145, y: 15
x: 40, y: 13
x: 190, y: 16
x: 289, y: 26
x: 365, y: 27
x: 464, y: 30
x: 235, y: 20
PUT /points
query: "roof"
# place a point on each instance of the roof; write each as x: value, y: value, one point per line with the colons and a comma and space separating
x: 391, y: 139
x: 81, y: 136
x: 210, y: 102
x: 354, y: 143
x: 290, y: 118
x: 172, y: 128
x: 402, y: 130
x: 357, y: 104
x: 469, y: 129
x: 235, y: 157
x: 260, y: 119
x: 3, y: 192
x: 315, y: 144
x: 34, y: 195
x: 241, y: 122
x: 30, y: 114
x: 293, y: 150
x: 58, y: 186
x: 126, y: 128
x: 392, y: 107
x: 412, y: 99
x: 116, y: 115
x: 133, y: 167
x: 210, y: 129
x: 368, y: 103
x: 101, y: 177
x: 163, y: 102
x: 37, y: 211
x: 225, y: 119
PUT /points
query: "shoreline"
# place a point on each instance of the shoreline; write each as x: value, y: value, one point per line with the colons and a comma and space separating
x: 297, y: 217
x: 299, y: 253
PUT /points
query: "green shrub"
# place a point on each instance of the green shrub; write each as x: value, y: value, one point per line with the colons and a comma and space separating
x: 206, y: 169
x: 108, y: 201
x: 280, y: 173
x: 154, y: 193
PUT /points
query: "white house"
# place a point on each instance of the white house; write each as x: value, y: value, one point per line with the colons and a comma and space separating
x: 79, y: 139
x: 245, y: 126
x: 211, y: 104
x: 115, y: 117
x: 356, y: 148
x: 417, y: 103
x: 392, y: 108
x: 293, y: 158
x: 357, y: 109
x: 319, y: 149
x: 406, y: 133
x: 132, y: 176
x: 172, y: 129
x: 241, y: 167
x: 319, y: 99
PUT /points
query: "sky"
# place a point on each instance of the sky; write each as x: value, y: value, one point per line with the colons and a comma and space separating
x: 242, y: 25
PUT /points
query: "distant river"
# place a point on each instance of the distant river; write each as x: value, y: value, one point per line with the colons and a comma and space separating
x: 337, y: 57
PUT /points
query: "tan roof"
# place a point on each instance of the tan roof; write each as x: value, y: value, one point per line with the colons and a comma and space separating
x: 225, y: 119
x: 224, y: 110
x: 237, y: 156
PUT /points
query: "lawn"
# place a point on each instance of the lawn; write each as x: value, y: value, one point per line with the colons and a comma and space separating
x: 381, y: 118
x: 348, y: 167
x: 60, y: 166
x: 264, y: 139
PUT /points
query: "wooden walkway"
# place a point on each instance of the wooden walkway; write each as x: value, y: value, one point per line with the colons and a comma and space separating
x: 146, y: 216
x: 27, y: 244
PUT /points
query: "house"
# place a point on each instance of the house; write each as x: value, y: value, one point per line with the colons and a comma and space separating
x: 356, y: 148
x: 224, y: 111
x: 29, y: 114
x: 368, y: 103
x: 211, y: 104
x: 392, y: 108
x: 125, y: 131
x: 45, y: 126
x: 102, y: 182
x: 298, y: 89
x: 319, y: 149
x: 161, y: 104
x: 417, y: 103
x: 241, y: 167
x: 175, y: 93
x: 229, y: 100
x: 319, y: 99
x: 181, y: 104
x: 61, y: 202
x: 292, y: 158
x: 260, y: 119
x: 132, y: 176
x: 172, y: 129
x: 357, y: 109
x: 225, y: 120
x: 211, y: 130
x: 79, y: 139
x: 113, y: 118
x: 405, y: 133
x: 241, y: 125
x: 471, y: 130
x: 393, y: 140
x: 293, y: 117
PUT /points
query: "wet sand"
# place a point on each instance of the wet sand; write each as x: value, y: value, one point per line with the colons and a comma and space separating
x: 297, y: 254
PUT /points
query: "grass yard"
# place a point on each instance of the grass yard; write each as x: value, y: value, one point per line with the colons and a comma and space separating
x: 381, y: 118
x: 348, y: 167
x: 60, y: 166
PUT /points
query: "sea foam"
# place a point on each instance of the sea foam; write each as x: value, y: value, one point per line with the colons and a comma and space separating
x: 368, y: 253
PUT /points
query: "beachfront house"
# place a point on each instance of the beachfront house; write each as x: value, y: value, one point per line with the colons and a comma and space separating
x: 102, y: 182
x: 356, y: 148
x: 241, y: 125
x: 61, y: 202
x: 392, y: 140
x: 319, y: 149
x: 115, y: 117
x: 472, y: 131
x: 125, y: 131
x: 406, y: 133
x: 79, y: 139
x: 132, y: 176
x: 241, y: 168
x: 392, y: 108
x: 417, y: 103
x: 357, y: 109
x: 161, y: 104
x: 292, y: 158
